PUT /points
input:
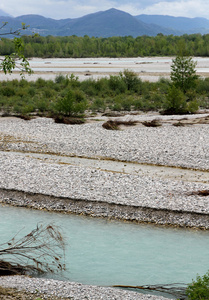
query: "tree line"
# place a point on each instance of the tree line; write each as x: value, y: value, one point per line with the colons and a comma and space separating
x: 81, y: 47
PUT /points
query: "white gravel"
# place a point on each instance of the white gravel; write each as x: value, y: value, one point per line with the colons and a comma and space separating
x: 71, y: 290
x: 75, y: 182
x: 167, y: 145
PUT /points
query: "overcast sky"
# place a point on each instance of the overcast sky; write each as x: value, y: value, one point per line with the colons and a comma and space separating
x: 62, y: 9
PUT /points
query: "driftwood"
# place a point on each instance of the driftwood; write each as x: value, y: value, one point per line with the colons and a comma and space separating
x: 175, y: 289
x: 115, y: 124
x: 40, y: 251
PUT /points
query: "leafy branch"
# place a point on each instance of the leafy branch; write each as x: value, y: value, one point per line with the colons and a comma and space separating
x: 16, y: 59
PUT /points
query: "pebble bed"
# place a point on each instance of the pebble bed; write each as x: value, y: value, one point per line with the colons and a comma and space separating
x: 75, y: 182
x: 167, y: 145
x: 71, y: 290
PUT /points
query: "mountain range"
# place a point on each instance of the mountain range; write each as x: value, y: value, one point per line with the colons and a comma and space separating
x: 107, y: 23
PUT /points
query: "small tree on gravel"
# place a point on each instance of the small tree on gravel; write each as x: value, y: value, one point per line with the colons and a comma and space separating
x: 181, y: 97
x: 183, y: 73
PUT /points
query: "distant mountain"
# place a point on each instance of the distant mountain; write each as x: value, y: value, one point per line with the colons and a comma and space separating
x: 179, y: 24
x: 108, y: 23
x: 3, y: 13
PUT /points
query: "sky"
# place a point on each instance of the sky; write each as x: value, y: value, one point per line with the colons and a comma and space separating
x: 62, y: 9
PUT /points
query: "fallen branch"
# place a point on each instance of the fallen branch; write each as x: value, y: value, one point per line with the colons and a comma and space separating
x: 40, y: 251
x: 176, y: 289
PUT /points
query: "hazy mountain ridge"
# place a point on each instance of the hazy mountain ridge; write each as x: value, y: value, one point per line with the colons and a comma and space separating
x: 108, y: 23
x: 182, y: 24
x: 3, y: 13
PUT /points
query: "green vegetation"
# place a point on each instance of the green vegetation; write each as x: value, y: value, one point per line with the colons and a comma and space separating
x: 68, y: 96
x: 199, y: 289
x: 73, y: 46
x: 14, y: 58
x: 181, y: 96
x: 183, y: 73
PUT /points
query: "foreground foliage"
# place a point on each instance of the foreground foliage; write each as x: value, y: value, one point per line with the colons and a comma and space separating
x: 14, y: 58
x: 199, y: 289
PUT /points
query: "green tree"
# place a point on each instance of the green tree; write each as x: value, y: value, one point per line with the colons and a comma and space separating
x: 183, y: 73
x: 16, y: 59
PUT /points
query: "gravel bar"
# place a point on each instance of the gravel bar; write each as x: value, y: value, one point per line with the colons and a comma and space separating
x: 166, y: 145
x: 42, y: 184
x: 71, y: 290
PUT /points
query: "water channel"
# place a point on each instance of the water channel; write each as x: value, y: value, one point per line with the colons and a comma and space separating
x: 102, y: 252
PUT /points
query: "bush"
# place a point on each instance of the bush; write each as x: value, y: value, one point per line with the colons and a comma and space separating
x: 132, y: 81
x: 175, y: 102
x: 98, y: 105
x: 40, y: 83
x: 117, y: 84
x: 60, y: 79
x: 68, y: 106
x: 199, y: 289
x: 7, y: 91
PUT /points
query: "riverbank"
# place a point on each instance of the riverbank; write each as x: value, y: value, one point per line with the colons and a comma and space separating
x: 56, y: 290
x: 52, y: 182
x: 43, y: 182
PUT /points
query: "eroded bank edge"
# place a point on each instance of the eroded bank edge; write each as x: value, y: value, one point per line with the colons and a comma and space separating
x: 162, y: 217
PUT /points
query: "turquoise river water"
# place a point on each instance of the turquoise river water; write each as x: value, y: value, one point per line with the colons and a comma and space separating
x: 102, y: 252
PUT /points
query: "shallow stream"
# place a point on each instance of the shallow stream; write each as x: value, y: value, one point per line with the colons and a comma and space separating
x: 102, y: 252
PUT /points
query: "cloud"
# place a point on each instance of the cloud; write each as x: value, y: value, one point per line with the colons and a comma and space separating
x: 60, y: 9
x: 186, y: 8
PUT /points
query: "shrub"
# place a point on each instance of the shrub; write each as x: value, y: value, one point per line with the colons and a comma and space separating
x: 60, y: 79
x: 42, y: 105
x: 199, y: 289
x: 48, y: 92
x: 88, y: 87
x: 23, y: 83
x: 22, y: 92
x: 68, y: 106
x: 7, y: 91
x: 126, y: 103
x: 40, y: 82
x: 117, y: 84
x: 138, y: 105
x: 175, y: 101
x: 98, y: 105
x: 31, y: 91
x: 132, y: 81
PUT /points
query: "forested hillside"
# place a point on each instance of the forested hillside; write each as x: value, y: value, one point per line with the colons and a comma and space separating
x: 73, y: 46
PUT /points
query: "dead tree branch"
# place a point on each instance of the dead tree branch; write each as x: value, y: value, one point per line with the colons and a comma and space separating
x: 176, y: 289
x: 40, y: 251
